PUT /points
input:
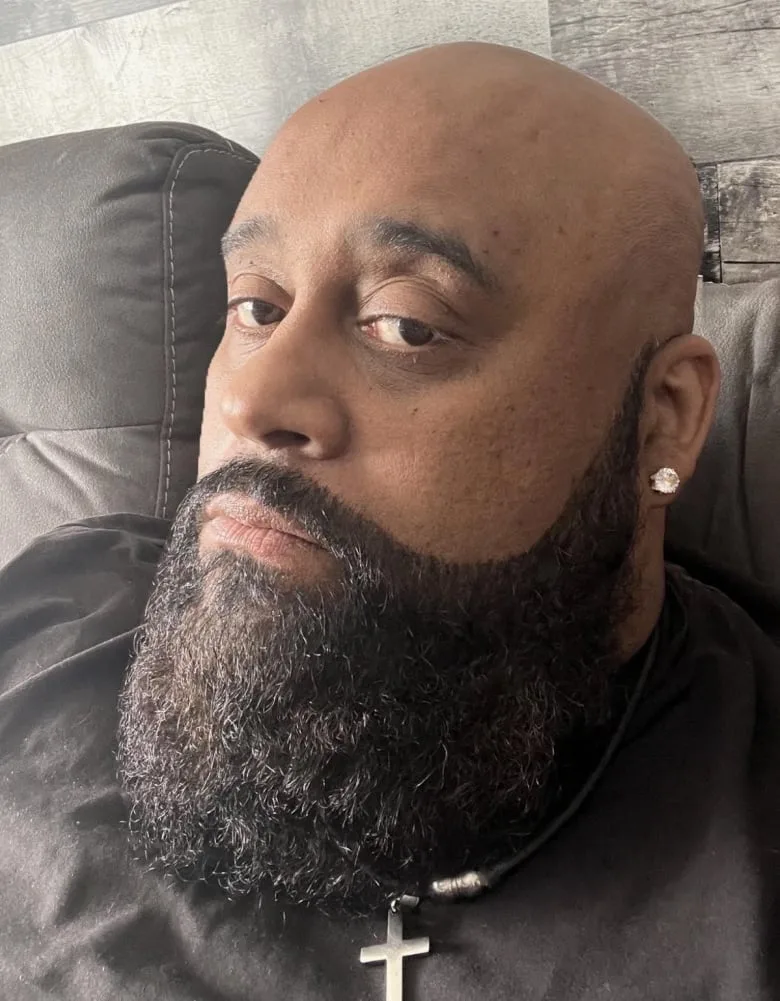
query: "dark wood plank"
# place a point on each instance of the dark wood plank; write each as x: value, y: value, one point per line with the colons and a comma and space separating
x: 709, y: 71
x: 31, y: 18
x: 711, y: 263
x: 749, y: 197
x: 742, y: 232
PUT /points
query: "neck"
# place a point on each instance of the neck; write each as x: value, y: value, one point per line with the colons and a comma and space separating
x: 650, y: 595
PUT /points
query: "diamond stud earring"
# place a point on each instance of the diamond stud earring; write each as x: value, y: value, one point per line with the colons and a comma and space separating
x: 665, y: 481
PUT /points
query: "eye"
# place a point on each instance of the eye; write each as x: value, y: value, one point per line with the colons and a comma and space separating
x: 402, y: 332
x: 254, y: 313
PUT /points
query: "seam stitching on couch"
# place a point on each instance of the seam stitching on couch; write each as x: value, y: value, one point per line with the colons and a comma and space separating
x: 192, y: 152
x: 10, y: 441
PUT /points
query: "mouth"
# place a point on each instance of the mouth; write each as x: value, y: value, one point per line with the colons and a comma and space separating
x: 254, y: 516
x: 234, y: 521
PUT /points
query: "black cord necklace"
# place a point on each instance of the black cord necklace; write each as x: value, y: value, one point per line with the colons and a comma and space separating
x: 476, y: 881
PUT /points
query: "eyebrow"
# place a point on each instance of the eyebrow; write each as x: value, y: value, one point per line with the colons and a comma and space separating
x: 421, y: 241
x: 244, y: 235
x: 408, y: 237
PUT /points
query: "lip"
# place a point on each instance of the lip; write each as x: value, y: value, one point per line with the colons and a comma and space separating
x: 254, y: 516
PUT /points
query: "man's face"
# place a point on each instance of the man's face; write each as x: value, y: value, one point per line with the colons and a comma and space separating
x: 401, y: 379
x: 408, y: 328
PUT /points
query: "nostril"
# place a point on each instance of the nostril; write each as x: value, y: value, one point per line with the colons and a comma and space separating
x: 285, y: 439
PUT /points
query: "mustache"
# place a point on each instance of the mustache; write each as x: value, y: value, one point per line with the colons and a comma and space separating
x: 331, y: 522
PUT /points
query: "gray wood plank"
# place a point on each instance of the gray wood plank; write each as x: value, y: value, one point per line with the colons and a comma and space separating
x: 749, y: 196
x: 742, y: 233
x: 32, y: 18
x: 239, y: 68
x: 710, y: 71
x: 735, y: 273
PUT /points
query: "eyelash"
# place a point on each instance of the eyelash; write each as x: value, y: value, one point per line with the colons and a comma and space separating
x: 442, y: 336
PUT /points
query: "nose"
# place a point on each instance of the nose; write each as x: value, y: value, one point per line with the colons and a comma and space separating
x: 285, y: 398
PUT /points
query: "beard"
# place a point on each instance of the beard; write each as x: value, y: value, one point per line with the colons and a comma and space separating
x: 341, y: 743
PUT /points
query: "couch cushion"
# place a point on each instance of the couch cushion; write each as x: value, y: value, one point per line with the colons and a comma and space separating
x: 730, y: 510
x: 112, y: 297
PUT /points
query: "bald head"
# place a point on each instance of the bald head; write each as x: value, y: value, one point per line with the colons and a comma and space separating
x: 464, y: 252
x: 567, y: 175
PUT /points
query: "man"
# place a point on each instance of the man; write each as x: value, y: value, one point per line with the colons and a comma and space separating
x: 413, y: 662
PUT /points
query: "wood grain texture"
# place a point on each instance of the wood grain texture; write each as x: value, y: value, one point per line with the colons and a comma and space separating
x: 749, y: 195
x: 239, y: 68
x: 711, y: 266
x: 742, y: 234
x: 709, y: 71
x: 735, y: 273
x: 32, y: 18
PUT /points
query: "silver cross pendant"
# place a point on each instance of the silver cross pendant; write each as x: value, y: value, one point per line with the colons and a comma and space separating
x: 393, y: 952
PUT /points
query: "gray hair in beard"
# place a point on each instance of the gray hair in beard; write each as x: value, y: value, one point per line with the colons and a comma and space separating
x: 340, y: 744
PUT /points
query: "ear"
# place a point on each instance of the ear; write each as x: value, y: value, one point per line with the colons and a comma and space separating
x: 681, y: 390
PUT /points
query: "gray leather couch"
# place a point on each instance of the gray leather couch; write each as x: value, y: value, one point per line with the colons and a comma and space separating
x: 112, y: 298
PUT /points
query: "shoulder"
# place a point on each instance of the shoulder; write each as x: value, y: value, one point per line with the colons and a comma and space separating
x: 747, y: 601
x: 75, y: 587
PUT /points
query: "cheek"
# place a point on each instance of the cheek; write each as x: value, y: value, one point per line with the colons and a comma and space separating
x: 470, y: 483
x: 473, y: 471
x: 213, y: 434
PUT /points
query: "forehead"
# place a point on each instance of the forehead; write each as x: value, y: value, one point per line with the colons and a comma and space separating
x: 325, y: 174
x: 499, y: 179
x: 373, y: 141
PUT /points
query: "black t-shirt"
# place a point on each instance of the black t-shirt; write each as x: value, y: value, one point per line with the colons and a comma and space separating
x: 663, y: 885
